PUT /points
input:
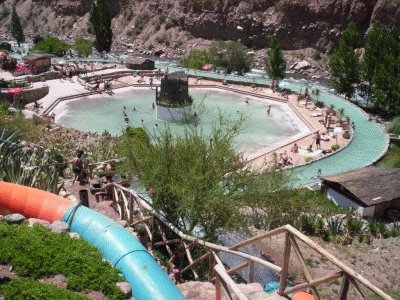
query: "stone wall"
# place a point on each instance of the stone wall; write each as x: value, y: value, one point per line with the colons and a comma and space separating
x: 47, y: 76
x: 27, y: 95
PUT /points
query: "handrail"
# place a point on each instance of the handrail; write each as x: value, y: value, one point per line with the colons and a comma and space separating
x: 348, y: 275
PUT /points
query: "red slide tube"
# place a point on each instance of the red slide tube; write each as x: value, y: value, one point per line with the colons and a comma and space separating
x: 32, y: 203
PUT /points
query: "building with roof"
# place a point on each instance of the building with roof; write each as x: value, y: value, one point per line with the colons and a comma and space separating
x: 139, y: 63
x: 371, y: 191
x: 38, y: 63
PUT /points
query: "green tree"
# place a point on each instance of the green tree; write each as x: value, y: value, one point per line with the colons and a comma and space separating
x: 230, y: 55
x: 196, y: 59
x: 381, y: 69
x: 16, y: 28
x: 51, y: 45
x: 344, y: 63
x: 82, y: 46
x: 275, y: 62
x: 100, y: 19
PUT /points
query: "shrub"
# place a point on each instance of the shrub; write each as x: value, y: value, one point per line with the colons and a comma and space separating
x: 335, y: 147
x: 317, y: 55
x: 355, y: 226
x: 82, y: 46
x: 395, y: 231
x: 308, y: 158
x: 51, y: 45
x: 346, y: 135
x: 196, y: 59
x: 307, y: 223
x: 394, y: 126
x: 335, y: 225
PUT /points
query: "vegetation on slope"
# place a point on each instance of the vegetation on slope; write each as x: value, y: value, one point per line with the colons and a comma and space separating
x: 36, y: 253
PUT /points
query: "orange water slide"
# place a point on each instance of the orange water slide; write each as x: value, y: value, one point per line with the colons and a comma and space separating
x: 32, y: 203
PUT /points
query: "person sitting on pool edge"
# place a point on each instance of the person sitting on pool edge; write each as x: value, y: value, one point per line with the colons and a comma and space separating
x: 295, y: 148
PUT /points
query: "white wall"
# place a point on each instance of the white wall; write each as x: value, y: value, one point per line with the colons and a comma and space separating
x: 342, y: 200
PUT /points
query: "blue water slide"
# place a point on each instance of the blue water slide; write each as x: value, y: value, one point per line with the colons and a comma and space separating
x: 125, y: 252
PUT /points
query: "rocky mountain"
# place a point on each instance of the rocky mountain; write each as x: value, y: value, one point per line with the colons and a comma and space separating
x: 172, y: 23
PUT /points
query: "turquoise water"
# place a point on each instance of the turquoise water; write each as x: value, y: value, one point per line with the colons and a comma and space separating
x: 100, y: 113
x: 369, y: 142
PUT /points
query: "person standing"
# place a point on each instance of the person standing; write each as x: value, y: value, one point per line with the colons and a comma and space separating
x: 77, y: 168
x: 269, y: 110
x: 318, y: 140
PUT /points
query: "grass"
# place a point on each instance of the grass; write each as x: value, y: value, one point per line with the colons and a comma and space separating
x: 391, y: 158
x: 35, y: 253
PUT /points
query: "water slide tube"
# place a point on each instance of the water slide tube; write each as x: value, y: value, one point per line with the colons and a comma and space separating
x: 124, y: 251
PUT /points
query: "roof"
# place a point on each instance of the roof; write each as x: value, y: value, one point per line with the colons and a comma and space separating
x: 137, y: 60
x: 37, y: 56
x: 369, y: 186
x: 179, y: 75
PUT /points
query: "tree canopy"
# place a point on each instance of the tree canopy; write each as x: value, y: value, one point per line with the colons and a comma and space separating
x: 381, y: 69
x: 344, y: 63
x: 16, y: 28
x: 82, y: 46
x: 52, y: 45
x: 230, y: 55
x: 275, y: 62
x: 196, y: 59
x: 100, y: 19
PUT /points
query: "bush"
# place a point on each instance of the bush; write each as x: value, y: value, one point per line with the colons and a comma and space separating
x: 317, y: 55
x: 346, y: 135
x: 394, y: 126
x: 83, y: 47
x: 51, y: 45
x: 196, y: 59
x: 355, y: 226
x: 230, y: 55
x: 335, y: 147
x: 308, y: 224
x: 308, y: 158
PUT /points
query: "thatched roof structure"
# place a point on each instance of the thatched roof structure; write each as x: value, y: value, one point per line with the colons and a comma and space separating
x: 368, y: 186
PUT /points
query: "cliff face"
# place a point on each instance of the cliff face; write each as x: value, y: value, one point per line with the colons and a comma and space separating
x: 297, y: 23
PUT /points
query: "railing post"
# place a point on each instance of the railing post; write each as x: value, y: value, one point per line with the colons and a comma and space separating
x: 211, y: 264
x: 217, y: 288
x: 344, y: 288
x: 251, y: 271
x: 285, y: 264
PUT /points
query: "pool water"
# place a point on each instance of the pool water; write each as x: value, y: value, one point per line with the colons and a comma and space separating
x: 258, y: 131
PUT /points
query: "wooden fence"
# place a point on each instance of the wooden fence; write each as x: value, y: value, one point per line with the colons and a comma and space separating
x: 136, y: 210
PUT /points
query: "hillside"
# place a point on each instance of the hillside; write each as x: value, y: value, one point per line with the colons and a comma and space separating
x: 152, y: 24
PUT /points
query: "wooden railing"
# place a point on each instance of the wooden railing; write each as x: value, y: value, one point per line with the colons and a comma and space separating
x: 135, y: 210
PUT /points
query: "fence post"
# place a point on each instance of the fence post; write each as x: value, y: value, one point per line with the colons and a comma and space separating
x: 285, y: 264
x: 211, y: 264
x: 217, y: 288
x: 251, y: 271
x: 344, y: 287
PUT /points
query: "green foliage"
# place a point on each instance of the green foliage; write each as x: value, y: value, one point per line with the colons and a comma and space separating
x: 346, y: 135
x: 52, y: 45
x: 344, y: 63
x: 100, y: 19
x: 16, y: 28
x: 194, y: 177
x: 391, y: 158
x: 230, y: 55
x: 82, y: 46
x: 335, y: 225
x: 275, y: 62
x: 196, y: 59
x: 25, y: 288
x: 335, y: 147
x: 394, y: 126
x: 36, y: 252
x: 30, y: 167
x: 381, y: 69
x: 355, y: 226
x: 308, y: 223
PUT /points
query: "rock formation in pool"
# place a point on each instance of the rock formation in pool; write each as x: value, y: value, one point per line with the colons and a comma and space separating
x: 173, y: 102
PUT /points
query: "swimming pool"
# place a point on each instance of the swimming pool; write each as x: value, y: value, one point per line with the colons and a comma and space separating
x: 259, y: 130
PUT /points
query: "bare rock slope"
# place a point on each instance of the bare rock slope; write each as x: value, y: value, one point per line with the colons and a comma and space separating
x: 297, y: 23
